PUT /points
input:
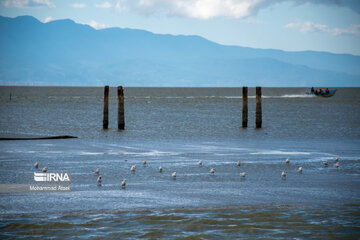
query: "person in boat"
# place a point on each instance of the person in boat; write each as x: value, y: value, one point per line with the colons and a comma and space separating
x: 312, y: 90
x: 327, y: 91
x: 319, y: 91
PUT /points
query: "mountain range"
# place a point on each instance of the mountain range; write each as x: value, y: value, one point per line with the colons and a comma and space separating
x: 65, y: 53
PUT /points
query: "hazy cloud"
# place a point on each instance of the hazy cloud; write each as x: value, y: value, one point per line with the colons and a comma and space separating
x: 202, y: 9
x: 28, y: 3
x: 104, y: 5
x: 205, y: 9
x: 352, y: 4
x: 97, y: 25
x: 79, y: 5
x: 307, y: 27
x: 48, y: 19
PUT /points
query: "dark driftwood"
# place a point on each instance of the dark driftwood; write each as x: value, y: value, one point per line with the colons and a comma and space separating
x: 245, y: 108
x: 38, y: 138
x: 121, y: 114
x: 258, y: 108
x: 106, y: 108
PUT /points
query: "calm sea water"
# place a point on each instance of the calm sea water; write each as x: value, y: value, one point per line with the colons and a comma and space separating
x: 175, y: 128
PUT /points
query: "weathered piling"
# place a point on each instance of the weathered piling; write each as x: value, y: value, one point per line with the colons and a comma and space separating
x: 245, y: 107
x: 258, y: 120
x: 106, y: 108
x: 121, y: 114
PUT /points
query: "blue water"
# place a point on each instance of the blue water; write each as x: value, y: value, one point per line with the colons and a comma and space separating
x: 175, y: 128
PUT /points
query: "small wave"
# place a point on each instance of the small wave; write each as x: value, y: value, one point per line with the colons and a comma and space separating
x: 231, y: 97
x: 286, y: 96
x: 90, y: 153
x: 223, y: 97
x: 277, y: 152
x: 150, y: 153
x: 297, y: 96
x: 224, y: 154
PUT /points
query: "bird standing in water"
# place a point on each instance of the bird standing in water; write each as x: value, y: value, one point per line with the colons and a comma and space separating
x: 123, y: 183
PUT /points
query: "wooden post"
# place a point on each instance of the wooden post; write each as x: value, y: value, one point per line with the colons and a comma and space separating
x: 121, y: 114
x: 258, y: 108
x: 245, y: 107
x: 106, y: 108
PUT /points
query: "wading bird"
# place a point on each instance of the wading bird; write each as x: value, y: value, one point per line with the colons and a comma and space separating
x: 123, y: 183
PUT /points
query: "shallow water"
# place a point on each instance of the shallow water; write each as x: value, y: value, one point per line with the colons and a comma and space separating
x: 275, y: 222
x: 175, y: 128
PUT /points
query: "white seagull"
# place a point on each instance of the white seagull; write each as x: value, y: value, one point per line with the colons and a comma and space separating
x: 238, y: 163
x: 173, y: 174
x: 336, y: 164
x: 123, y: 183
x: 243, y: 174
x: 336, y: 159
x: 300, y: 169
x: 325, y: 163
x: 45, y: 169
x: 212, y: 171
x: 200, y: 163
x: 36, y: 165
x: 99, y: 180
x: 283, y: 174
x: 287, y: 160
x: 133, y: 168
x: 160, y: 169
x: 97, y: 171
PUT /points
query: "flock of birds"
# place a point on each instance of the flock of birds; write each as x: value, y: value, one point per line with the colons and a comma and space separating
x: 200, y: 163
x: 300, y: 169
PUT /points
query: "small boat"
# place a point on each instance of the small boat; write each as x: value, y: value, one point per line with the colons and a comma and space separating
x: 324, y: 94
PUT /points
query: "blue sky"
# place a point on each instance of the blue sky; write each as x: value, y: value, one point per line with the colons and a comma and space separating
x: 292, y: 25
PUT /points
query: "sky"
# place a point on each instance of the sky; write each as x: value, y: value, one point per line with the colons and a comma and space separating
x: 290, y: 25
